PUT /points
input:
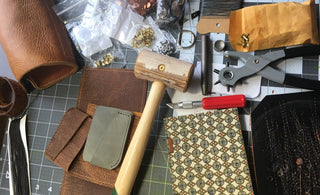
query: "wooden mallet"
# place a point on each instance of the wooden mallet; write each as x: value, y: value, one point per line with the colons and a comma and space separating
x: 164, y: 71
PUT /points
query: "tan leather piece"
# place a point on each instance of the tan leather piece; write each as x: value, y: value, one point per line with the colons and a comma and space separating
x: 36, y: 43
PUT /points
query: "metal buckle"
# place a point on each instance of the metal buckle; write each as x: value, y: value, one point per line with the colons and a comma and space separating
x: 193, y: 39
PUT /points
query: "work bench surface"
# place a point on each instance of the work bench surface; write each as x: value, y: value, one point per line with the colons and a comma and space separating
x: 49, y: 106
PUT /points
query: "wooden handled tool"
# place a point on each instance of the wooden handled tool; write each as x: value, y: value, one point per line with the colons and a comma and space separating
x: 163, y: 71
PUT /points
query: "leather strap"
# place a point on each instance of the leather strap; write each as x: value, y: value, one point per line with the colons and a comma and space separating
x: 13, y: 98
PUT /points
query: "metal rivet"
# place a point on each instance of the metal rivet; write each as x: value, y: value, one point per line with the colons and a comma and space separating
x: 161, y: 67
x: 219, y: 45
x: 299, y: 161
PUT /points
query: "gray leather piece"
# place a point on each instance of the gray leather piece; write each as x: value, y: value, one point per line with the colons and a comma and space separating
x: 107, y: 137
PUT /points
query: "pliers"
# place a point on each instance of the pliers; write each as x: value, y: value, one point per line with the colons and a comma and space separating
x: 260, y: 65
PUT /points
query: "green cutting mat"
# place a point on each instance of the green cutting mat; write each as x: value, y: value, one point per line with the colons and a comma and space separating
x: 50, y: 105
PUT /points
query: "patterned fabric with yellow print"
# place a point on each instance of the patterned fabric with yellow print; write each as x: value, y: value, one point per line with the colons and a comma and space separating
x: 207, y: 154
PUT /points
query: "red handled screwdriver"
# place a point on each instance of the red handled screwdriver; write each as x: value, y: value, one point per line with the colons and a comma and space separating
x: 219, y: 102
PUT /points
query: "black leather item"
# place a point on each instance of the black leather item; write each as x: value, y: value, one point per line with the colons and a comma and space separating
x: 286, y: 144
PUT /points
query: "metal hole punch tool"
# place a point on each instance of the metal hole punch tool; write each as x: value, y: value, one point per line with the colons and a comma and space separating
x: 260, y: 64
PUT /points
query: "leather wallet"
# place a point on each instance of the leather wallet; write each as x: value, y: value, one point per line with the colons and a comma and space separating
x: 117, y: 88
x: 66, y: 148
x: 36, y: 43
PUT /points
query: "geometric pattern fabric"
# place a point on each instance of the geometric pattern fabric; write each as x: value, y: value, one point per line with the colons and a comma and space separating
x: 207, y: 154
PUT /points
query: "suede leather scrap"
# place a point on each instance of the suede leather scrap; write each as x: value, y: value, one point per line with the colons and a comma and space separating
x: 67, y: 142
x: 118, y: 88
x: 107, y: 137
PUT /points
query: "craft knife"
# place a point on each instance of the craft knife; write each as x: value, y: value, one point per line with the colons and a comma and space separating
x: 208, y: 103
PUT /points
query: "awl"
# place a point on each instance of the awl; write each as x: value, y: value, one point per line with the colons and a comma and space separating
x: 208, y: 103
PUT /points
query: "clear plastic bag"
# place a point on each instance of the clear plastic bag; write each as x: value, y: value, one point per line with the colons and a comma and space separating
x: 142, y: 7
x: 99, y: 21
x: 108, y: 56
x: 167, y: 46
x: 169, y: 12
x: 70, y: 10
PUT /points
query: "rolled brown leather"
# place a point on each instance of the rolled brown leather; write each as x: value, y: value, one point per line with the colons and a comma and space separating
x: 36, y: 43
x: 13, y: 98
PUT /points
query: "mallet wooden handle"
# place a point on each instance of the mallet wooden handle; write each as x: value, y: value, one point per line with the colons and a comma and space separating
x: 132, y: 160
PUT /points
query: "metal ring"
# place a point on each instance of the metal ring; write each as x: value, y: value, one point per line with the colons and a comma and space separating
x: 180, y: 37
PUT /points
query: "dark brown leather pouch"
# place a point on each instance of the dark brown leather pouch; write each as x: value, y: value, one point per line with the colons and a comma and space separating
x: 36, y: 43
x: 116, y: 88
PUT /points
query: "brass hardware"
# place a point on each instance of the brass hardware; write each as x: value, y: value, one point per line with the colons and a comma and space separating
x: 143, y: 38
x: 244, y: 40
x: 106, y: 60
x: 161, y: 67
